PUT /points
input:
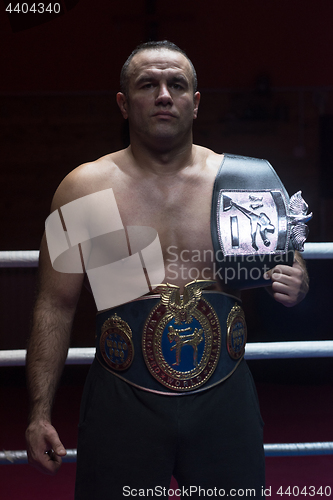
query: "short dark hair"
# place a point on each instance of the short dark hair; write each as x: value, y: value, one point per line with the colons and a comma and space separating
x: 153, y: 45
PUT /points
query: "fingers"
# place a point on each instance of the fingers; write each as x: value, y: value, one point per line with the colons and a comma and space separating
x: 48, y: 462
x: 288, y: 285
x: 54, y: 454
x: 54, y: 460
x: 278, y: 272
x: 44, y: 447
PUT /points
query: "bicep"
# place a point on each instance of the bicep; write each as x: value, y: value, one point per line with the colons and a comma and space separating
x: 59, y: 289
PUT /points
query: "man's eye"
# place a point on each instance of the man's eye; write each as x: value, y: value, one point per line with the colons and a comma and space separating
x: 176, y: 86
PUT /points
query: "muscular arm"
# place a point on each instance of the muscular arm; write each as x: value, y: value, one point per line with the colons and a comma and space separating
x: 47, y: 350
x: 53, y: 316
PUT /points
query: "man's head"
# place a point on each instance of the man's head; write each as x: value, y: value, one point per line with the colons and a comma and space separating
x: 159, y: 98
x: 166, y: 45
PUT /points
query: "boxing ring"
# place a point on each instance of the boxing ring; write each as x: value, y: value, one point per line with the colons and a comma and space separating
x: 254, y: 351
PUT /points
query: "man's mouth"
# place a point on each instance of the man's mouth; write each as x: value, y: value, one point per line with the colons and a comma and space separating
x: 164, y: 114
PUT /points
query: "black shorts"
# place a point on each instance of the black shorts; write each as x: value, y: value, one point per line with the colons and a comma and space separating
x: 131, y: 440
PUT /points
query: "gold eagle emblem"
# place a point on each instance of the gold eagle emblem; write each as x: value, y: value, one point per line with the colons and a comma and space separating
x: 182, y: 307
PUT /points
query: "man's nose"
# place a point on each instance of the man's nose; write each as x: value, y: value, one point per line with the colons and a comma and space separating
x: 163, y: 96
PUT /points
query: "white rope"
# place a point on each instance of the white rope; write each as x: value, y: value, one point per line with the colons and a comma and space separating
x: 259, y: 350
x: 271, y: 450
x: 76, y: 356
x: 29, y: 258
x: 19, y: 258
x: 318, y: 251
x: 298, y: 449
x: 20, y: 457
x: 297, y: 349
x: 255, y: 350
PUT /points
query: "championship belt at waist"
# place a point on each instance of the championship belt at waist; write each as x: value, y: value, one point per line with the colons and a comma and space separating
x: 171, y: 344
x: 254, y: 224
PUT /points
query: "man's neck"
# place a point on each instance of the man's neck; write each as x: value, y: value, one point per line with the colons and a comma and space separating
x: 162, y: 160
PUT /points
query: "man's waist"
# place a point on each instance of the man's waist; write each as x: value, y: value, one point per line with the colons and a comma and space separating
x: 170, y: 344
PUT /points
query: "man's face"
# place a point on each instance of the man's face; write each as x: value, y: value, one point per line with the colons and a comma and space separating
x: 160, y: 103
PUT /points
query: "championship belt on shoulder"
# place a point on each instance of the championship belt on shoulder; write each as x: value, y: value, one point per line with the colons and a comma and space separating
x: 254, y: 224
x: 173, y: 344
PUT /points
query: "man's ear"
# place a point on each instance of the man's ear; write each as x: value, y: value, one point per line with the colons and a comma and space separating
x: 122, y: 103
x: 196, y: 104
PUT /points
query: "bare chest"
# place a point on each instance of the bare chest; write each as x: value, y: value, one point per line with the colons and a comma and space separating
x: 178, y: 210
x: 178, y: 207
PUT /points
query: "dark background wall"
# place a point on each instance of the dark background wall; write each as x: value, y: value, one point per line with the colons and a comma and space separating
x: 230, y: 42
x: 266, y: 76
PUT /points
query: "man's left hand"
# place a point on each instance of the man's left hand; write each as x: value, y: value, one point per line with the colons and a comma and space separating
x: 289, y: 284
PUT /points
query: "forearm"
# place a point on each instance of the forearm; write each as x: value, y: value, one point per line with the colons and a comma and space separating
x: 46, y: 355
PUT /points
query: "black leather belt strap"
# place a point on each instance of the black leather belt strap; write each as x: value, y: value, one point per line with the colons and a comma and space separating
x: 125, y: 342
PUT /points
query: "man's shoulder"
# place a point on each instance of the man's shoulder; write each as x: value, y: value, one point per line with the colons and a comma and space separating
x: 206, y: 151
x: 208, y: 159
x: 88, y: 178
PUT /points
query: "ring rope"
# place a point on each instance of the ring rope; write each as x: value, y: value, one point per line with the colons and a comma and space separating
x: 258, y: 350
x: 254, y: 350
x: 19, y: 258
x: 271, y: 450
x: 318, y: 251
x: 298, y: 449
x: 29, y: 258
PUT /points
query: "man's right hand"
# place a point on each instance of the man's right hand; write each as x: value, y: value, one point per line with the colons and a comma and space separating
x: 44, y: 447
